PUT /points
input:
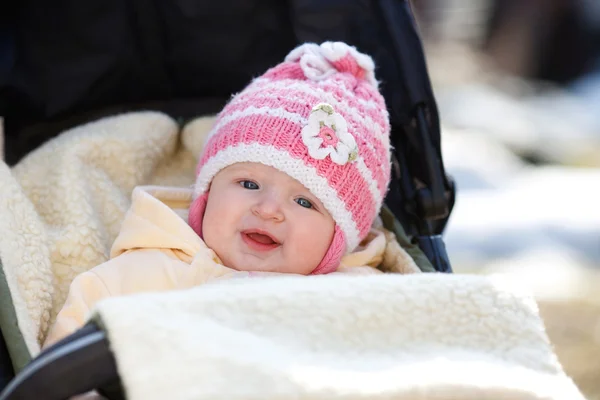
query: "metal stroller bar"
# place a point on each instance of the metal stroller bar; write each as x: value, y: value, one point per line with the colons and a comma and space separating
x: 83, y: 361
x: 6, y: 369
x: 427, y: 203
x: 433, y: 203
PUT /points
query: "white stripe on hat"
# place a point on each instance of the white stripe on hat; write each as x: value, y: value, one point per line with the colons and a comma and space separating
x: 252, y: 110
x: 368, y: 175
x: 311, y: 89
x: 300, y: 86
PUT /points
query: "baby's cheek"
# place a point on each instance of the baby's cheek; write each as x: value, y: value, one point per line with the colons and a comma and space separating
x: 213, y: 232
x: 315, y: 239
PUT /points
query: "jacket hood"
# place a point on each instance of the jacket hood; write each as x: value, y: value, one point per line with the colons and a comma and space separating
x: 157, y: 219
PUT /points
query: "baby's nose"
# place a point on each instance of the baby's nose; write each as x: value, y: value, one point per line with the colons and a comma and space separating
x: 269, y: 207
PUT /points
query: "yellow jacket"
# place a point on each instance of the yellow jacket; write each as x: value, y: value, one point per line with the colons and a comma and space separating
x: 157, y: 250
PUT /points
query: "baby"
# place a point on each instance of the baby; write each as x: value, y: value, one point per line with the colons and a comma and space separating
x: 290, y: 180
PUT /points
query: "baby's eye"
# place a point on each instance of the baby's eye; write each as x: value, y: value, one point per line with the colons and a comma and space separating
x: 249, y: 185
x: 304, y: 203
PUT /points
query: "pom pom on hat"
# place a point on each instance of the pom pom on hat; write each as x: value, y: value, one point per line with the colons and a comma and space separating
x: 320, y: 62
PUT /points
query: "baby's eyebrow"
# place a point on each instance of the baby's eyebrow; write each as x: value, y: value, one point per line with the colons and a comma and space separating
x: 240, y: 169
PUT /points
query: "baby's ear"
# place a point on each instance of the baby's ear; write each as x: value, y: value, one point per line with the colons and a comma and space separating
x: 195, y: 133
x: 196, y: 213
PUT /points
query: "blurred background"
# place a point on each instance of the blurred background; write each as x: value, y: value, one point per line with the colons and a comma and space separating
x: 518, y: 88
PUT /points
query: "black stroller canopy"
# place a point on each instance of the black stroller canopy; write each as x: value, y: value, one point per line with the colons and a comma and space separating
x: 70, y: 62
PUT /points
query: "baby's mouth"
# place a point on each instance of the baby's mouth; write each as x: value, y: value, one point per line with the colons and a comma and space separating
x: 260, y: 240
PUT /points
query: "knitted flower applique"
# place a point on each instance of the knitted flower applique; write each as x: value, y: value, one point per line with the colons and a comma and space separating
x: 326, y: 134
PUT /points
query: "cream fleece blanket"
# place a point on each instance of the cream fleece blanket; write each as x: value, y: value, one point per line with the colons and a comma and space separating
x: 422, y: 336
x: 62, y: 206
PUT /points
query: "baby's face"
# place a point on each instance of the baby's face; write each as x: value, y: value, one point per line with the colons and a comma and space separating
x: 260, y: 219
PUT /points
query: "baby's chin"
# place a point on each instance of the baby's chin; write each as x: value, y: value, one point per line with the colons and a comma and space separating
x: 255, y: 266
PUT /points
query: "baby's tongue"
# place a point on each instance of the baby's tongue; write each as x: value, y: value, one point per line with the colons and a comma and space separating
x: 260, y: 238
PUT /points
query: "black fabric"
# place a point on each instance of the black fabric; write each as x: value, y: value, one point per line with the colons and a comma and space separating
x: 69, y: 61
x: 72, y: 58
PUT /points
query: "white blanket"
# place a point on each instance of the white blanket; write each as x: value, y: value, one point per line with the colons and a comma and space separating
x: 423, y: 336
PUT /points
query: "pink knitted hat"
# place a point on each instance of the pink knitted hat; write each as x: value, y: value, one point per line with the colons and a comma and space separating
x: 319, y: 118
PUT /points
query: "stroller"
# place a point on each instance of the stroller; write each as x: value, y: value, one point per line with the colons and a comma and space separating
x: 70, y: 64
